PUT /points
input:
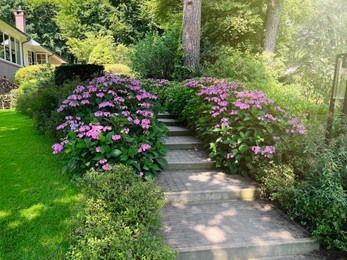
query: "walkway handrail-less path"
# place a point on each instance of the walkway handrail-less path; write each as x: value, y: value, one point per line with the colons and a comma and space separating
x: 211, y: 215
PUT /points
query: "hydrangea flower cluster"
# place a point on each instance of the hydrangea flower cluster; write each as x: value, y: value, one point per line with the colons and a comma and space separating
x: 239, y: 124
x: 111, y: 120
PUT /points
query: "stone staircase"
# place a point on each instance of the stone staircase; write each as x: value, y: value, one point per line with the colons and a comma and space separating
x: 211, y: 215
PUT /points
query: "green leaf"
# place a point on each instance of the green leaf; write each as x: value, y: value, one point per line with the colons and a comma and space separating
x: 132, y: 151
x: 98, y: 157
x: 115, y: 152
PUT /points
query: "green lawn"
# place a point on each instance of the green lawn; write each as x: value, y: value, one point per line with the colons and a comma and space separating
x: 36, y: 201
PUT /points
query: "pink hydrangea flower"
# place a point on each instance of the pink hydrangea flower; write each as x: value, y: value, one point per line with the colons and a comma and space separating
x: 144, y: 147
x: 107, y: 167
x: 116, y: 137
x: 57, y: 148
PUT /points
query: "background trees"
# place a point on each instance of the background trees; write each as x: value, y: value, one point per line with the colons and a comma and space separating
x: 302, y: 35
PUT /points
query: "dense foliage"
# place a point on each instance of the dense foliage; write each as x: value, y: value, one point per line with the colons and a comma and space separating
x: 156, y: 56
x: 308, y: 177
x: 82, y: 72
x: 109, y: 121
x: 40, y: 100
x: 239, y: 125
x: 120, y: 218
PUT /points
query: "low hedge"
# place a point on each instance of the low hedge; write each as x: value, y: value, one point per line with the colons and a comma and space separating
x: 119, y: 218
x: 82, y: 72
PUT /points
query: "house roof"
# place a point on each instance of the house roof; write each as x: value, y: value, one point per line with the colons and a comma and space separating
x: 30, y: 41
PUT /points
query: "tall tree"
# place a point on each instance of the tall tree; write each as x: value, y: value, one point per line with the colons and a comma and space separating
x: 272, y: 23
x: 191, y: 32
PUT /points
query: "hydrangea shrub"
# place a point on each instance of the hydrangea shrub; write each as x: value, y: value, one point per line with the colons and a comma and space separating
x: 112, y: 120
x: 239, y: 125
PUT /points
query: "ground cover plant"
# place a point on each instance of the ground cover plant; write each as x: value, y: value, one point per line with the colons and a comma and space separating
x: 36, y: 201
x: 112, y: 120
x: 308, y: 178
x: 119, y: 218
x: 239, y: 125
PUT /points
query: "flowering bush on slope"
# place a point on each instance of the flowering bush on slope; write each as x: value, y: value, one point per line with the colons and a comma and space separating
x: 112, y: 120
x: 239, y: 125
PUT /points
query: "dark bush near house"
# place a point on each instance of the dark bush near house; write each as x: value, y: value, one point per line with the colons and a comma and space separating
x: 119, y: 218
x: 83, y: 72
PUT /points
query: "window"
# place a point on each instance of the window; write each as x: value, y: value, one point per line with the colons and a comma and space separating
x: 10, y: 48
x: 18, y: 53
x: 2, y: 46
x: 7, y: 47
x: 13, y: 50
x: 41, y: 58
x: 30, y: 58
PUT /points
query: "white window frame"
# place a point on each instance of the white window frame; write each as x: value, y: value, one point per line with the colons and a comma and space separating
x: 41, y: 53
x: 15, y: 40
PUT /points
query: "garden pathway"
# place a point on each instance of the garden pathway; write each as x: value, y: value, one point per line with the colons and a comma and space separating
x: 211, y: 215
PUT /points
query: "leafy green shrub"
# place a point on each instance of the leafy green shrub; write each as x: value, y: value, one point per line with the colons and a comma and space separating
x: 34, y: 73
x: 240, y: 66
x: 26, y: 73
x: 239, y: 125
x: 82, y: 72
x: 120, y: 218
x: 41, y: 104
x: 118, y: 69
x: 112, y: 120
x: 28, y: 86
x: 121, y: 54
x: 320, y: 204
x: 308, y: 178
x: 156, y: 56
x: 101, y: 55
x: 275, y: 180
x: 25, y: 102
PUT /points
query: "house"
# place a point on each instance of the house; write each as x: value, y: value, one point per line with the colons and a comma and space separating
x: 17, y: 49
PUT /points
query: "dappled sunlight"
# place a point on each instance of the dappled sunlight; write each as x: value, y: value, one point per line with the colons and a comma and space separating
x: 4, y: 214
x: 33, y: 212
x: 213, y: 234
x: 3, y: 129
x: 227, y: 222
x: 281, y: 235
x: 14, y: 224
x: 218, y: 219
x: 68, y: 199
x: 190, y: 181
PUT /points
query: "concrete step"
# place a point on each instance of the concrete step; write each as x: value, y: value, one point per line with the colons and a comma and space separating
x: 188, y: 160
x: 182, y: 143
x: 295, y: 257
x: 233, y: 230
x: 169, y: 121
x: 179, y: 131
x: 164, y: 115
x: 192, y: 186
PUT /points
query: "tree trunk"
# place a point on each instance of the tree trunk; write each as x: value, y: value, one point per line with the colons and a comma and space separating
x: 191, y: 32
x: 272, y: 23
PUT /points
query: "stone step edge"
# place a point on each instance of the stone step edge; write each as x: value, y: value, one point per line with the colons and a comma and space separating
x: 184, y: 146
x: 245, y: 194
x: 164, y: 115
x: 250, y: 250
x: 171, y: 166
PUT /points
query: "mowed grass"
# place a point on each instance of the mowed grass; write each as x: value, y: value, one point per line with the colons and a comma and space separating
x: 36, y: 201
